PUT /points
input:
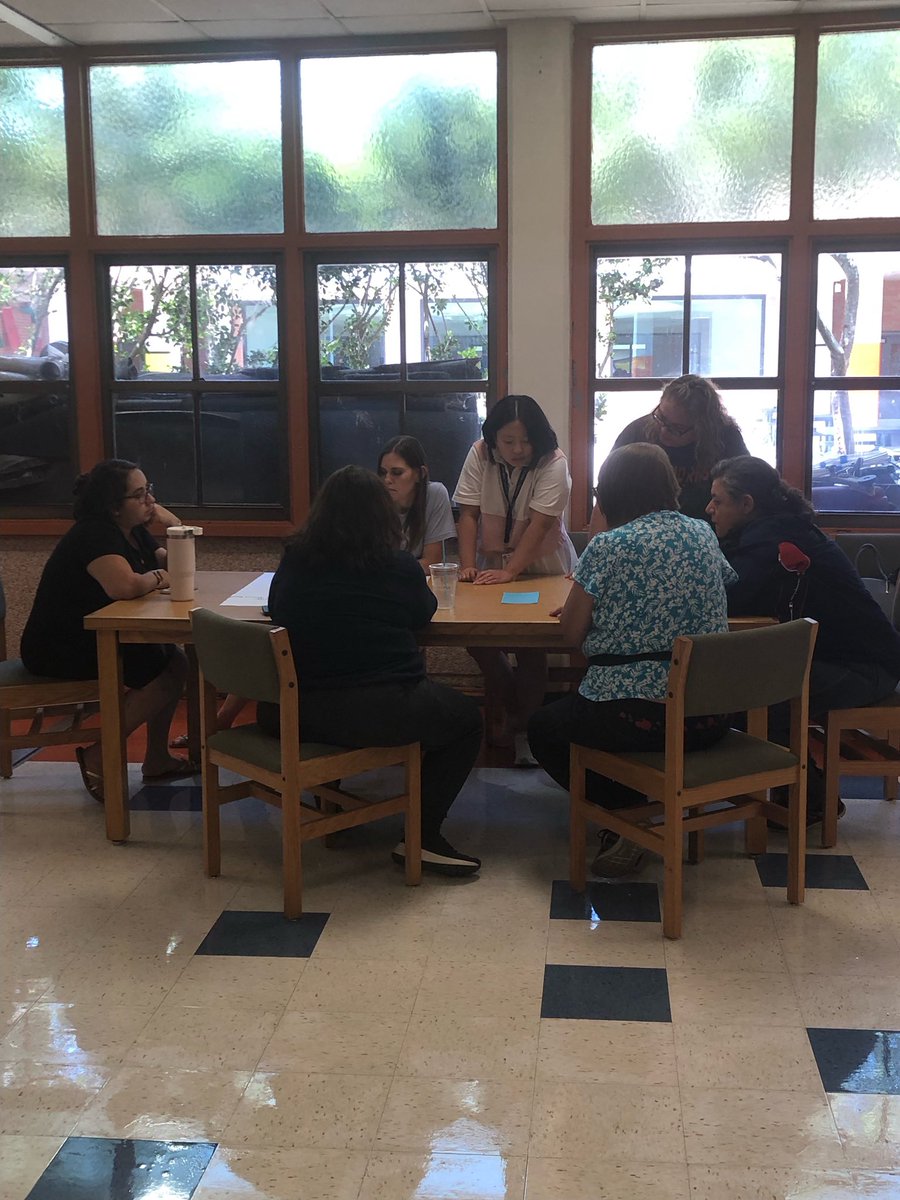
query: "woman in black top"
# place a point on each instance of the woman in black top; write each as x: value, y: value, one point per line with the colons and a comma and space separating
x: 109, y: 555
x: 352, y: 602
x: 690, y: 423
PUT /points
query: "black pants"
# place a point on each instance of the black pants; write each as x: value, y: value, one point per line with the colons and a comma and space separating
x: 447, y: 724
x: 626, y: 725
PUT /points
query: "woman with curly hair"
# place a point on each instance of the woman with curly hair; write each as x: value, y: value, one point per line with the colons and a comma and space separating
x: 690, y: 423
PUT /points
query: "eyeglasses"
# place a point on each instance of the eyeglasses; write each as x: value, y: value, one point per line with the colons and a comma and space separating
x: 670, y: 426
x: 141, y: 494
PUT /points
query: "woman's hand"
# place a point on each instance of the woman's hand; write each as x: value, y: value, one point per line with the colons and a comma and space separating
x: 162, y: 518
x: 495, y: 577
x: 468, y: 574
x: 557, y: 612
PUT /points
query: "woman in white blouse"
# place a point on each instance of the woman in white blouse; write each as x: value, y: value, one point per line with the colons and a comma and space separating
x: 512, y: 494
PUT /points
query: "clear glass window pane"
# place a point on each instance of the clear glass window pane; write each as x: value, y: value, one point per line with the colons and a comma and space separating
x: 158, y: 433
x: 34, y: 198
x: 735, y: 314
x: 447, y: 425
x: 237, y: 321
x: 865, y: 479
x: 419, y: 153
x: 446, y: 319
x: 359, y: 320
x: 692, y: 130
x: 240, y: 447
x: 858, y: 125
x: 352, y: 429
x: 151, y: 322
x: 640, y: 317
x: 34, y: 331
x: 858, y: 314
x: 185, y: 148
x: 38, y: 456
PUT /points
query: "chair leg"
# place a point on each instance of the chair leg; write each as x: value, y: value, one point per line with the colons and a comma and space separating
x: 796, y: 887
x: 890, y: 781
x: 413, y: 827
x: 577, y: 824
x: 756, y: 833
x: 292, y: 865
x: 832, y: 781
x: 212, y: 837
x: 5, y: 751
x: 673, y: 871
x: 696, y: 843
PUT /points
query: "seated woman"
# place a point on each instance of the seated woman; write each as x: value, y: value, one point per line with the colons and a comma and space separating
x: 787, y: 568
x: 692, y: 426
x: 654, y: 575
x: 422, y: 504
x: 513, y: 491
x: 351, y: 601
x: 107, y: 555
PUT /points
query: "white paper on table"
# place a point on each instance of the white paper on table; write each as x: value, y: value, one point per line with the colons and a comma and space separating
x: 253, y: 594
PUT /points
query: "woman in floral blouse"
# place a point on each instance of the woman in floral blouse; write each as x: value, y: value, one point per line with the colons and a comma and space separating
x: 651, y: 576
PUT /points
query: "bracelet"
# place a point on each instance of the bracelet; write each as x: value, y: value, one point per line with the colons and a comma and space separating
x: 159, y: 580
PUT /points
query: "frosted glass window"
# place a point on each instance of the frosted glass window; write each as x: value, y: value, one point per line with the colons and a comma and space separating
x: 858, y: 125
x: 33, y: 189
x: 400, y: 142
x: 691, y: 131
x: 185, y: 148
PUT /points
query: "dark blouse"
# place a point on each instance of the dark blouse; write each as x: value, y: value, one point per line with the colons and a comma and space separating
x: 54, y: 641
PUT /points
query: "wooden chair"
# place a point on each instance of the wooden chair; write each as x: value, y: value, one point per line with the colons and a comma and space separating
x: 255, y: 660
x: 857, y: 741
x: 742, y: 672
x: 39, y: 700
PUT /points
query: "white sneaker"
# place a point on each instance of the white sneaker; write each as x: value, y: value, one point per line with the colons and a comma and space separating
x: 522, y: 751
x: 439, y: 856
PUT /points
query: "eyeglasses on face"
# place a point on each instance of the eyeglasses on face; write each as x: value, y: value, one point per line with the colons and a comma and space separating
x: 142, y: 493
x: 670, y: 426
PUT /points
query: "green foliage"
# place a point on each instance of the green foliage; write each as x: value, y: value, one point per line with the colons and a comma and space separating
x: 620, y: 282
x: 357, y: 299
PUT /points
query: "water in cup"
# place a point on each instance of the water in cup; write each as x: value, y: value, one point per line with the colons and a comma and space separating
x: 443, y: 583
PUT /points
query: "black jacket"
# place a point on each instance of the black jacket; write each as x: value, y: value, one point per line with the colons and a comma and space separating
x: 852, y: 628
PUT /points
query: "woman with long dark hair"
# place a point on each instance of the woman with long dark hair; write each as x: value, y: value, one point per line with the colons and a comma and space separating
x: 788, y: 568
x: 691, y: 425
x: 352, y: 601
x: 423, y: 505
x: 107, y: 555
x: 513, y: 493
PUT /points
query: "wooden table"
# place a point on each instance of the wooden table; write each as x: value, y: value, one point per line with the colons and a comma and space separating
x: 152, y: 618
x: 480, y: 618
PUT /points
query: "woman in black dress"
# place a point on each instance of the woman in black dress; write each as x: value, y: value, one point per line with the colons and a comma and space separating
x: 107, y: 555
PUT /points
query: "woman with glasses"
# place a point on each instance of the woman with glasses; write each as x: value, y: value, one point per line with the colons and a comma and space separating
x: 513, y: 492
x: 653, y: 575
x: 107, y: 555
x: 692, y: 426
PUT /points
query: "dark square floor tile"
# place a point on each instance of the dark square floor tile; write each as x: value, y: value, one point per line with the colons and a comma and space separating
x: 167, y: 797
x: 264, y: 935
x: 606, y: 901
x: 862, y: 1061
x: 89, y: 1168
x: 862, y: 787
x: 836, y: 871
x: 605, y: 993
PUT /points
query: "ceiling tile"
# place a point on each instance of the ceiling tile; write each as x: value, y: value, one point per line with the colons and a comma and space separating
x: 113, y: 32
x: 451, y: 23
x: 393, y: 8
x: 314, y: 27
x: 10, y: 36
x: 91, y: 12
x: 240, y: 10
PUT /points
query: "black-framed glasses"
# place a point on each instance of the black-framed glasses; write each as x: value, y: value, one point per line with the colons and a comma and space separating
x: 141, y: 493
x: 670, y: 426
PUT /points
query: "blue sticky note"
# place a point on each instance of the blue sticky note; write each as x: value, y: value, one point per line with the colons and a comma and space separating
x: 521, y: 597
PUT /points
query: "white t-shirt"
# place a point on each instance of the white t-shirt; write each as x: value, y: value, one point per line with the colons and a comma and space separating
x: 439, y: 523
x: 545, y: 489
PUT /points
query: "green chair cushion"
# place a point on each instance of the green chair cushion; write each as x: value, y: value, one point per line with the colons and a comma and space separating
x: 736, y: 754
x: 251, y: 744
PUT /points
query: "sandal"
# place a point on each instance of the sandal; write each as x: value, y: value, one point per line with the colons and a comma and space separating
x: 180, y: 742
x: 92, y: 781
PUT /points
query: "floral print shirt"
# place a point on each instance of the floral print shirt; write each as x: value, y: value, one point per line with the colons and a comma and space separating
x: 652, y: 580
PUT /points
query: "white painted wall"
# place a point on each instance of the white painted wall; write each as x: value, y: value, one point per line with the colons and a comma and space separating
x: 539, y: 95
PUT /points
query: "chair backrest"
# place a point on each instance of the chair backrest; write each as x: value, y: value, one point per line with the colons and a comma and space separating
x: 737, y: 672
x: 236, y: 656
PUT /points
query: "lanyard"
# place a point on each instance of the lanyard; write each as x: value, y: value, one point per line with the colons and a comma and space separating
x: 510, y: 504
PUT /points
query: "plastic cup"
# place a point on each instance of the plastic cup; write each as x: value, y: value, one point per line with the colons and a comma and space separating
x: 444, y: 577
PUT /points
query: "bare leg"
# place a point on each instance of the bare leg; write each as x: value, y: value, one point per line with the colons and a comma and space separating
x: 153, y: 705
x: 231, y: 708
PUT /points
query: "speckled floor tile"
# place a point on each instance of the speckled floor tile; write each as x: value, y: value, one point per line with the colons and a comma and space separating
x: 590, y: 1122
x: 74, y: 1033
x: 559, y: 1179
x: 613, y: 1052
x: 429, y: 1175
x: 370, y: 985
x: 296, y: 1109
x: 469, y: 1047
x: 743, y: 997
x: 769, y: 1183
x: 869, y: 1127
x: 47, y: 1098
x: 456, y: 1116
x: 745, y: 1057
x: 23, y: 1159
x: 236, y: 982
x: 195, y: 1037
x: 276, y: 1174
x: 481, y: 989
x: 754, y: 1128
x: 336, y: 1043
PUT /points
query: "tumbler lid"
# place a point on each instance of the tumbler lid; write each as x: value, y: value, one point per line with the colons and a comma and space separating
x: 183, y: 531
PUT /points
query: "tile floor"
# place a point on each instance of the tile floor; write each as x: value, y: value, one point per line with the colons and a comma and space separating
x: 165, y: 1036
